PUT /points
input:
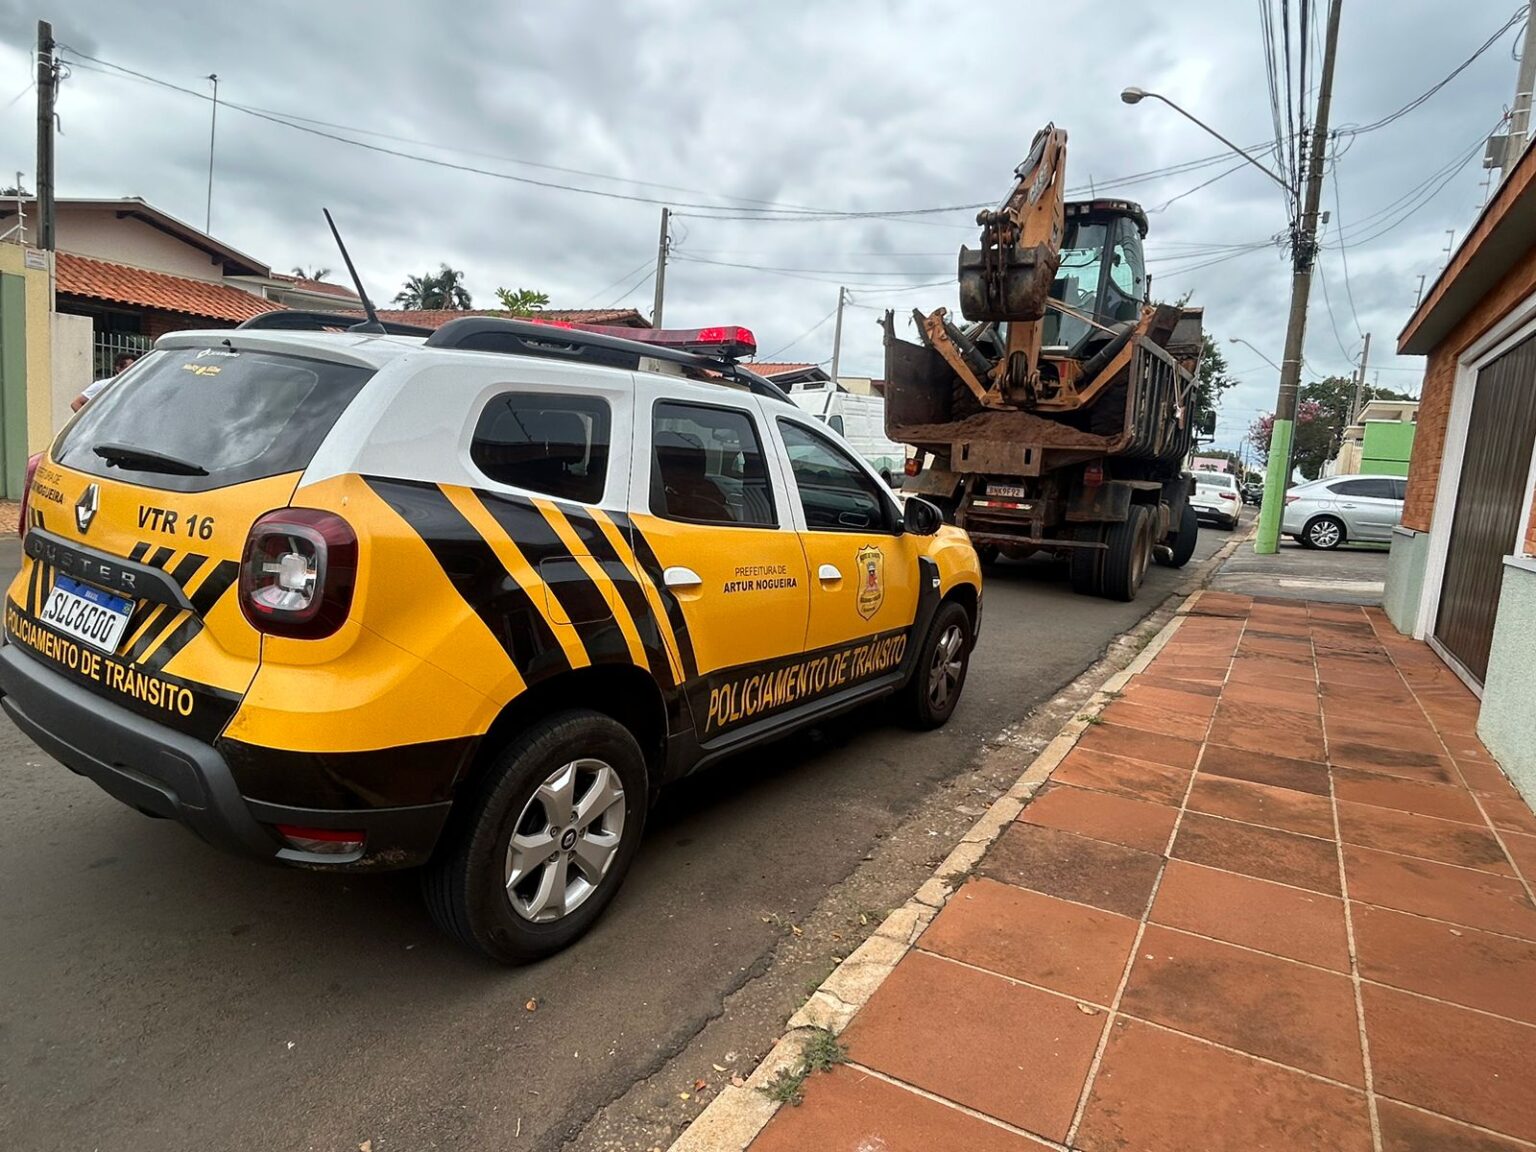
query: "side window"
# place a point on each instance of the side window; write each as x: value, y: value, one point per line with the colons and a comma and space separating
x: 1399, y: 489
x: 836, y: 493
x: 1374, y: 489
x: 557, y: 445
x: 1349, y: 488
x: 836, y: 424
x: 707, y: 466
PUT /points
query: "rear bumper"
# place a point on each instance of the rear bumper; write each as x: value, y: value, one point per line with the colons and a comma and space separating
x: 169, y: 774
x: 1221, y: 515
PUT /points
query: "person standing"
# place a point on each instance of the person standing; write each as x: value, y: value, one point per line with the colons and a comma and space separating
x: 123, y: 361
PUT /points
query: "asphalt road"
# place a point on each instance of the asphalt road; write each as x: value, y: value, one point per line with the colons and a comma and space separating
x: 156, y: 995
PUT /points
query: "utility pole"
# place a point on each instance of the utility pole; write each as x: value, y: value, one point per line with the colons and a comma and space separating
x: 661, y: 268
x: 213, y: 125
x: 837, y: 336
x: 1304, y: 252
x: 1355, y: 406
x: 47, y: 94
x: 1520, y: 114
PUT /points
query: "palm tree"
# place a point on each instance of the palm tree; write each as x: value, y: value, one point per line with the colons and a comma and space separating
x: 310, y: 273
x: 443, y: 289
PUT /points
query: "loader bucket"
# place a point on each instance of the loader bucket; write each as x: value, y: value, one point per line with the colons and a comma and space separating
x: 1015, y: 292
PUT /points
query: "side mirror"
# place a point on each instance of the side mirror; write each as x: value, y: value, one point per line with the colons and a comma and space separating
x: 1205, y: 423
x: 920, y: 517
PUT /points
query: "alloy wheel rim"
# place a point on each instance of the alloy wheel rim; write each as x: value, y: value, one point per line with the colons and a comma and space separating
x: 1325, y: 534
x: 565, y: 840
x: 948, y: 664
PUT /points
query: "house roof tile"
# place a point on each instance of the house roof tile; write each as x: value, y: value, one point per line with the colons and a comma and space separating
x: 141, y: 288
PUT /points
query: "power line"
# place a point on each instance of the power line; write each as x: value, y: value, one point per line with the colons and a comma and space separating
x: 1332, y: 321
x: 1427, y: 93
x: 1344, y: 246
x: 774, y: 355
x: 635, y: 287
x: 646, y: 263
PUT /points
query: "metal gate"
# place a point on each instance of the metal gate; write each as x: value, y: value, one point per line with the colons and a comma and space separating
x: 1490, y: 505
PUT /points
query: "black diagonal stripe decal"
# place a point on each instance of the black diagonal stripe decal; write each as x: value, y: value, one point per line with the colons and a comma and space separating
x: 174, y: 643
x: 160, y: 557
x: 653, y: 569
x: 504, y: 606
x: 214, y: 585
x: 630, y: 592
x: 157, y: 625
x: 139, y: 550
x: 582, y: 601
x: 33, y: 577
x: 187, y: 568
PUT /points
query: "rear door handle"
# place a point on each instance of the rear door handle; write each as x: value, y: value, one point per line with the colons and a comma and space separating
x: 679, y: 577
x: 828, y: 573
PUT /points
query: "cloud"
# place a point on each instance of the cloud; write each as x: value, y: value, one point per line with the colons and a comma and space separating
x: 866, y: 105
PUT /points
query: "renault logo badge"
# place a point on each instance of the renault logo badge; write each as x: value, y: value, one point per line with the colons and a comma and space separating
x: 85, y: 508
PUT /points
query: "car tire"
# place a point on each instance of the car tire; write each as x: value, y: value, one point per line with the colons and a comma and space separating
x: 1184, y: 540
x: 938, y: 677
x: 1129, y: 554
x: 469, y: 885
x: 1325, y: 532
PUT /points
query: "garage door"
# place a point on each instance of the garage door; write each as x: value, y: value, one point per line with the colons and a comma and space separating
x: 1490, y: 505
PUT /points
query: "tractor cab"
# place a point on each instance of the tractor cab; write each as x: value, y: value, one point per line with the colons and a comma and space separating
x: 1102, y: 274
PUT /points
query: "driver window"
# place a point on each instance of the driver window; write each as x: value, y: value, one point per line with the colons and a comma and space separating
x: 1125, y: 272
x: 836, y: 494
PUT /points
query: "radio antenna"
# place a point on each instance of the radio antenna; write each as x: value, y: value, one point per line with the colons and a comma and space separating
x: 372, y: 323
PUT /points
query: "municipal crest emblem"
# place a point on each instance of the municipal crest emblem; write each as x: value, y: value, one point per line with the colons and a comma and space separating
x: 869, y: 562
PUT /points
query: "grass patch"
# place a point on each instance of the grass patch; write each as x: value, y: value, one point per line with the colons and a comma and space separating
x: 820, y: 1053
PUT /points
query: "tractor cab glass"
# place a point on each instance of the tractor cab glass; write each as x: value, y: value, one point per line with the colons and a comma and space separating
x: 1101, y: 275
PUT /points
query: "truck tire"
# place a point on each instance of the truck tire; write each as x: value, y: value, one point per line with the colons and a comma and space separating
x: 567, y: 796
x: 1129, y: 553
x: 1088, y: 563
x: 1184, y: 539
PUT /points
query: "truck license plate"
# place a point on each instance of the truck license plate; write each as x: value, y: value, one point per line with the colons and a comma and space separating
x: 1011, y: 491
x: 88, y: 614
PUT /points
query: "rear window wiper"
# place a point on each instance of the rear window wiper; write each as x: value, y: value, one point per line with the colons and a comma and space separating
x: 147, y: 460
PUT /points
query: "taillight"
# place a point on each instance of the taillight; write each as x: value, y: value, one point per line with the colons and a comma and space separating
x: 1292, y: 499
x: 1229, y: 495
x: 298, y: 572
x: 913, y: 466
x: 1093, y: 475
x: 26, y: 491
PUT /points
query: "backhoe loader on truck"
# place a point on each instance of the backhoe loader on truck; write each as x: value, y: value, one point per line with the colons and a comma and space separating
x: 1059, y: 418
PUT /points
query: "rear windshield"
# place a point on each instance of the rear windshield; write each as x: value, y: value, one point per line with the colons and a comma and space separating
x: 1213, y: 481
x: 190, y: 419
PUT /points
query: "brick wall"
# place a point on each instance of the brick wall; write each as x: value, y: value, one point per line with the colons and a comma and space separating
x: 1439, y: 384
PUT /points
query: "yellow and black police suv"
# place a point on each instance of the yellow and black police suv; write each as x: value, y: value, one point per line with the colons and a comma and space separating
x: 363, y: 599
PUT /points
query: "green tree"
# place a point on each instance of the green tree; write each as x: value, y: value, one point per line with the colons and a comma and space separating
x: 315, y: 273
x: 522, y: 301
x: 1311, y: 443
x: 441, y: 289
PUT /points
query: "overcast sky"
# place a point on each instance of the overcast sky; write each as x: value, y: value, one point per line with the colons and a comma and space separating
x: 858, y: 106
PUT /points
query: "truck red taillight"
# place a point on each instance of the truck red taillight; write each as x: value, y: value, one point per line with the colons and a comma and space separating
x: 298, y: 572
x: 26, y: 491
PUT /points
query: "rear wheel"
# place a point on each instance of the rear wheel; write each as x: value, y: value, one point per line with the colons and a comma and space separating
x: 1184, y: 539
x: 1088, y: 563
x: 545, y: 844
x: 930, y: 697
x: 1323, y: 532
x: 1130, y: 550
x: 987, y: 553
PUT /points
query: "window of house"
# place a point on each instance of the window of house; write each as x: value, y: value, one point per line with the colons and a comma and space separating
x: 707, y: 466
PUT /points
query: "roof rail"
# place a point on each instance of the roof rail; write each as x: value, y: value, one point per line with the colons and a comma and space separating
x: 295, y: 320
x: 572, y: 344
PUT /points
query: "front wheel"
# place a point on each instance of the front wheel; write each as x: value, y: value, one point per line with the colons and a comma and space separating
x: 930, y: 697
x: 546, y: 841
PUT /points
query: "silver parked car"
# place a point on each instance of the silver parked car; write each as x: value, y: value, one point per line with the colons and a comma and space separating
x: 1217, y: 498
x: 1327, y: 513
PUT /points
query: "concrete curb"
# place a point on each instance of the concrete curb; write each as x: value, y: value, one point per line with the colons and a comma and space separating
x: 733, y: 1119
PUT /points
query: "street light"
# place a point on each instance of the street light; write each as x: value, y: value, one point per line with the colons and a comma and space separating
x: 1255, y: 351
x: 1137, y: 95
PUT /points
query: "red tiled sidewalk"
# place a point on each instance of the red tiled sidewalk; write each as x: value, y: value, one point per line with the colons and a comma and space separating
x: 1278, y: 898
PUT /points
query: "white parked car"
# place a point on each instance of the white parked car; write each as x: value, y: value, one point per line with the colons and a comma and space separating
x: 1329, y: 512
x: 1217, y: 498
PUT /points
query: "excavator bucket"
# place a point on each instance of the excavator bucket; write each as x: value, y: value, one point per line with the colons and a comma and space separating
x: 1006, y: 283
